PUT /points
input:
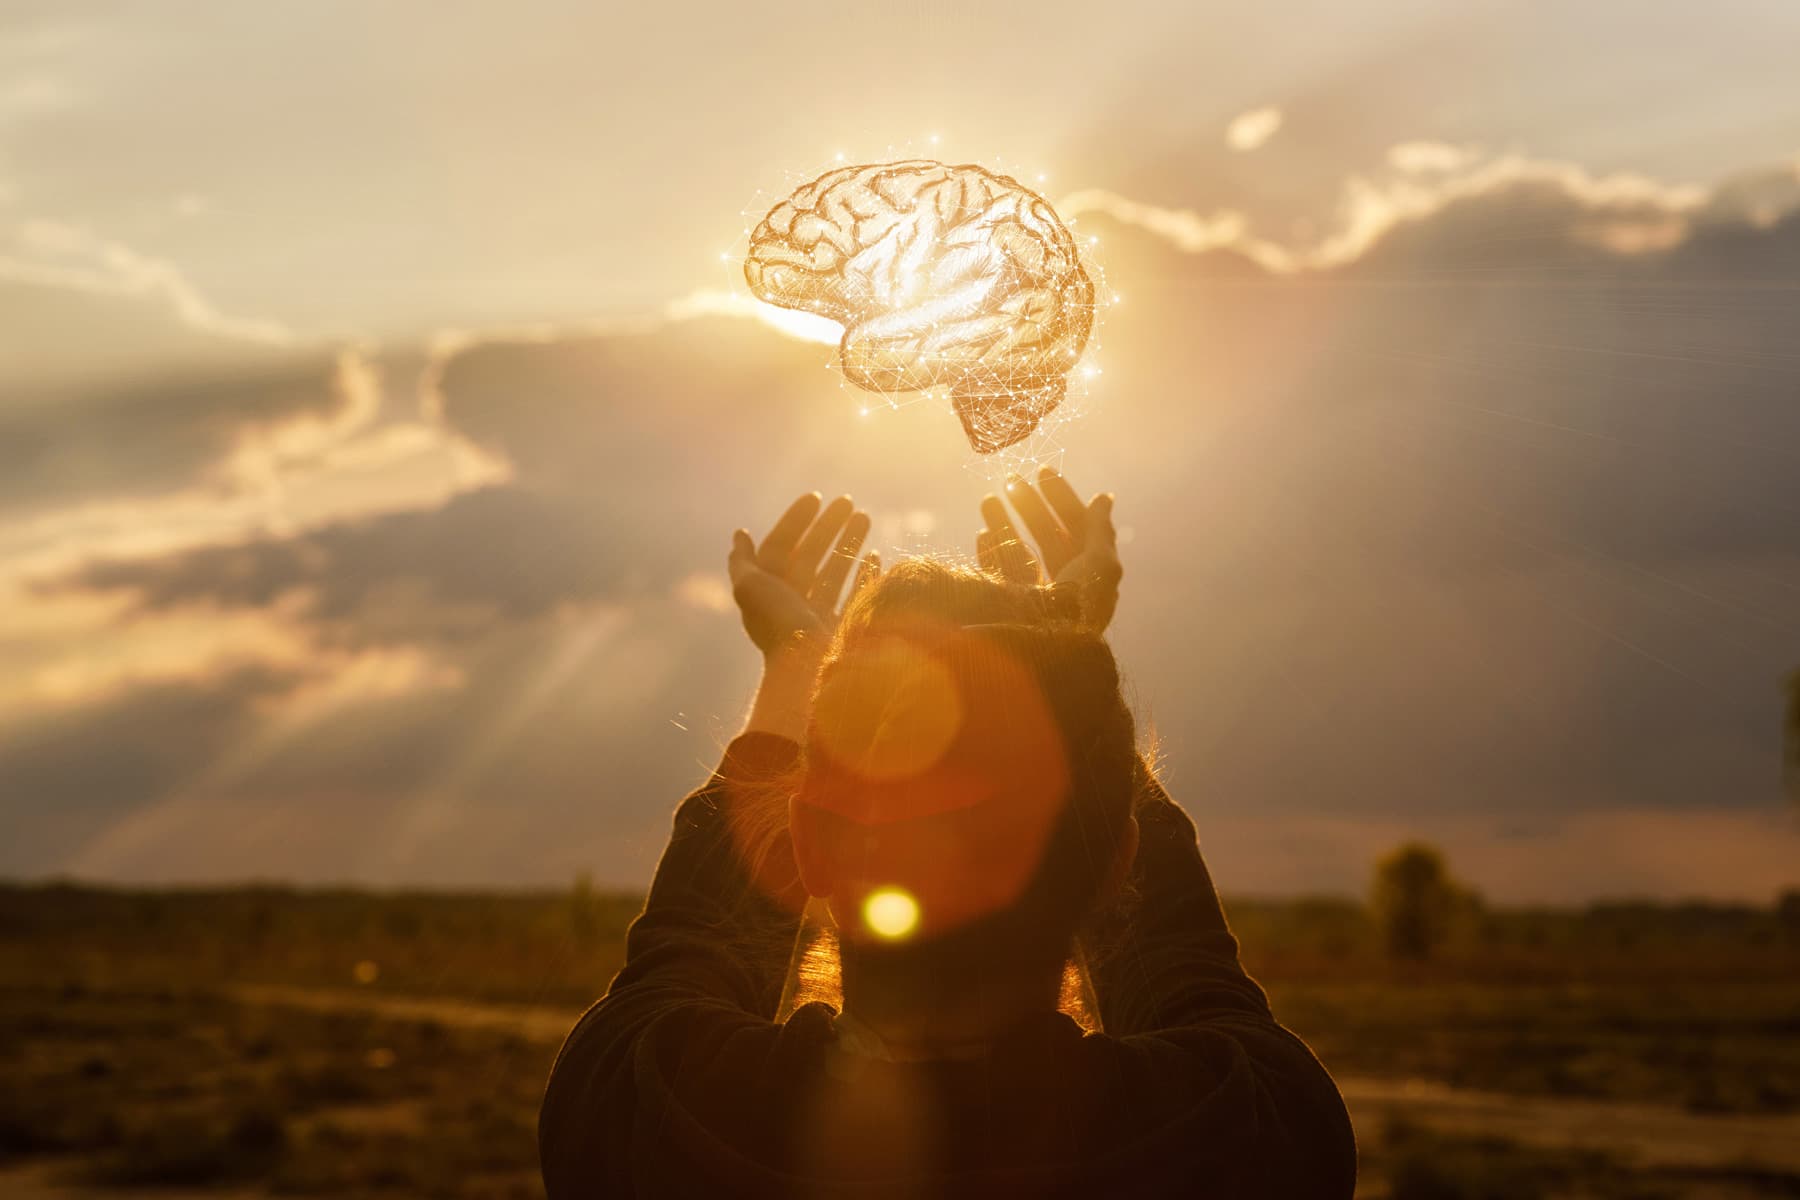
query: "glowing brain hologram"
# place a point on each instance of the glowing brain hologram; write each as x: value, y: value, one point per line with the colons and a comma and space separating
x: 942, y: 276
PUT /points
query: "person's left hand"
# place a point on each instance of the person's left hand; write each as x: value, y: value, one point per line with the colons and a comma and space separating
x: 1076, y: 543
x: 790, y: 588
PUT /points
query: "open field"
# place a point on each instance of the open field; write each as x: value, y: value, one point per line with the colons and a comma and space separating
x: 269, y: 1042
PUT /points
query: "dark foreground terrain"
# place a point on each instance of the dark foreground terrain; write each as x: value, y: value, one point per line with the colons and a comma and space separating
x: 270, y: 1042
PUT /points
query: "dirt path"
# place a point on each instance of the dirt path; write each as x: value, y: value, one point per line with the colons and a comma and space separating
x: 1644, y: 1134
x: 538, y: 1023
x: 46, y: 1181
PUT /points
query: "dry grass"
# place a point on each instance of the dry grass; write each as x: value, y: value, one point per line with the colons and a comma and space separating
x: 130, y: 1053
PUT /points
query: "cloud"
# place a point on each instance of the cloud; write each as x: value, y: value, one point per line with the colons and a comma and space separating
x: 63, y: 255
x: 66, y: 774
x: 1186, y: 230
x: 487, y: 557
x: 1459, y: 589
x: 805, y: 326
x: 187, y: 427
x: 1425, y: 157
x: 152, y: 436
x: 1251, y: 130
x: 1621, y: 215
x: 1423, y: 544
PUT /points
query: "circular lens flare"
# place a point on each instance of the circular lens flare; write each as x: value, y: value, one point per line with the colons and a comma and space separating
x: 890, y: 913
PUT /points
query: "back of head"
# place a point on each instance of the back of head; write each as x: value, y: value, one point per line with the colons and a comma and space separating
x: 968, y: 781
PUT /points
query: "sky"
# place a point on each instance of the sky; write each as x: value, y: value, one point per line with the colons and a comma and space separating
x: 378, y: 390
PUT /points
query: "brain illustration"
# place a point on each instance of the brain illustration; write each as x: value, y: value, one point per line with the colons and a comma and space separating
x: 942, y: 276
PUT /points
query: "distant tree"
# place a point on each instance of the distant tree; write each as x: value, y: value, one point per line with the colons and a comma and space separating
x: 584, y: 908
x: 1791, y: 729
x: 1787, y: 915
x: 1414, y: 901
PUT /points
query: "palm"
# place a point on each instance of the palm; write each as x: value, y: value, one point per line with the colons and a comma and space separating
x: 1076, y: 543
x: 790, y: 587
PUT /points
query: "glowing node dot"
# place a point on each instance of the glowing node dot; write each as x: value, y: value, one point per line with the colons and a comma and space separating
x: 890, y: 913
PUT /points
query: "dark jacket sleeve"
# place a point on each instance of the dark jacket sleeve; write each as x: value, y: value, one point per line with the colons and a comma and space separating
x: 1165, y: 970
x: 712, y: 942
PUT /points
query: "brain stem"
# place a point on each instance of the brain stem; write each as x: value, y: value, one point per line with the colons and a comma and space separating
x: 994, y: 422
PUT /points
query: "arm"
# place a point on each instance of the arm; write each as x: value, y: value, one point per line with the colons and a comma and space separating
x: 709, y: 951
x: 1162, y: 960
x: 1162, y: 954
x: 706, y: 956
x: 1165, y: 971
x: 726, y: 884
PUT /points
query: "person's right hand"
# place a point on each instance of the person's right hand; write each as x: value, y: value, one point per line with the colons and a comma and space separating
x: 1076, y: 543
x: 790, y: 587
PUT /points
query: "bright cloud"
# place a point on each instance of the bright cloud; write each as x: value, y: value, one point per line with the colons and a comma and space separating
x: 803, y: 326
x: 1250, y: 130
x: 1421, y: 157
x: 60, y: 254
x: 1630, y: 213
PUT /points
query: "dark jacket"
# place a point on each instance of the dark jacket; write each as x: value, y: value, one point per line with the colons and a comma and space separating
x: 679, y: 1083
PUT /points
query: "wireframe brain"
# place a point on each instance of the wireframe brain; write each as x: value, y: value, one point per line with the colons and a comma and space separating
x: 942, y: 276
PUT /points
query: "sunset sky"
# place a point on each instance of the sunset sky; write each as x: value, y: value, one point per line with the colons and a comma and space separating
x: 378, y: 394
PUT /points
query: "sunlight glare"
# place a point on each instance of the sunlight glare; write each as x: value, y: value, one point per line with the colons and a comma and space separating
x: 891, y: 913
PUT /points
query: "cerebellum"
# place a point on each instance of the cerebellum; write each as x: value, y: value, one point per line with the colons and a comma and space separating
x: 942, y: 276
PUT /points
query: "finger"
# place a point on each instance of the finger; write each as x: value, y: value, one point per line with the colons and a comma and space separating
x: 1053, y: 541
x: 1100, y: 519
x: 742, y: 558
x: 830, y: 584
x: 1016, y: 563
x: 779, y: 544
x: 1014, y: 556
x: 1067, y: 505
x: 866, y: 575
x: 999, y: 521
x: 803, y: 563
x: 986, y: 556
x: 1102, y: 553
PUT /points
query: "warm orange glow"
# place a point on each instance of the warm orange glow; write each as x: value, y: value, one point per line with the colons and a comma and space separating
x: 935, y: 766
x: 890, y: 913
x: 891, y: 713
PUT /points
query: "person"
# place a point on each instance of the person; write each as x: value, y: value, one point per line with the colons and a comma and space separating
x: 947, y: 765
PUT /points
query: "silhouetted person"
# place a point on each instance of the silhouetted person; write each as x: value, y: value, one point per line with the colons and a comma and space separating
x: 949, y: 766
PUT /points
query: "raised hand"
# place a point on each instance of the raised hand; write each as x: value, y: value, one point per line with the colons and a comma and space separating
x: 790, y: 587
x: 1076, y: 543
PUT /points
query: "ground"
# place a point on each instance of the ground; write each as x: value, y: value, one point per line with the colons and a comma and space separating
x: 260, y: 1042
